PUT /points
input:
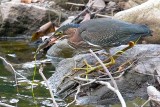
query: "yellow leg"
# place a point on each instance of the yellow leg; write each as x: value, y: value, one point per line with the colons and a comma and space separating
x: 109, y: 62
x: 130, y: 45
x: 90, y: 69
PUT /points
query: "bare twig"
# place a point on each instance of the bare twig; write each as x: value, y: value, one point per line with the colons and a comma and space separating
x: 75, y: 4
x: 146, y: 102
x: 105, y: 68
x: 108, y: 86
x: 117, y: 77
x: 50, y: 90
x: 5, y: 105
x: 115, y: 88
x: 105, y: 16
x: 75, y: 97
x: 10, y: 65
x: 86, y: 9
x: 78, y: 90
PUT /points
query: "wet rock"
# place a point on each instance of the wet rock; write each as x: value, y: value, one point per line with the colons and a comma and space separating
x: 69, y: 64
x: 132, y: 85
x: 61, y: 49
x: 146, y: 13
x: 19, y: 18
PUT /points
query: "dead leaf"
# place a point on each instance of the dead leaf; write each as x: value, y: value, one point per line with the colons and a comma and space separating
x: 43, y: 30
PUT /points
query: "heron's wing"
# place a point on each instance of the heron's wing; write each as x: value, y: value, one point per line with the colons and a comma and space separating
x: 135, y: 29
x: 96, y: 39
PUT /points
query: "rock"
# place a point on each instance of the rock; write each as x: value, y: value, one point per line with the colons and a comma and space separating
x: 146, y: 13
x: 69, y: 64
x: 133, y: 3
x: 61, y: 49
x: 20, y: 18
x: 132, y: 85
x: 130, y: 3
x: 154, y: 95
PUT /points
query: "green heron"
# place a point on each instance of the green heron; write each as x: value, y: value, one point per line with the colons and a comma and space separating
x: 102, y: 33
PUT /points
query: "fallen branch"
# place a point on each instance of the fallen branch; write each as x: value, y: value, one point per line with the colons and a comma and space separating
x: 50, y: 90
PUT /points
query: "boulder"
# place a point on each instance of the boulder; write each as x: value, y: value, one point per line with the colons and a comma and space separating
x: 20, y: 18
x: 144, y: 61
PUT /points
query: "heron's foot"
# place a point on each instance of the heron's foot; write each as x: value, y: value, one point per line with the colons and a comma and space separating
x: 112, y: 62
x: 88, y: 69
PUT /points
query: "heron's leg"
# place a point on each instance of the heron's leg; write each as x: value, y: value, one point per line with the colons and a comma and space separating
x: 90, y: 69
x: 111, y: 61
x: 118, y: 53
x: 130, y: 45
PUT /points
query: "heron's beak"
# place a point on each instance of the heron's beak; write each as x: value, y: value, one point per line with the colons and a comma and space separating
x: 54, y: 40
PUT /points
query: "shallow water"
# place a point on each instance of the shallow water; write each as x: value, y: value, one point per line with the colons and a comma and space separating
x: 18, y: 52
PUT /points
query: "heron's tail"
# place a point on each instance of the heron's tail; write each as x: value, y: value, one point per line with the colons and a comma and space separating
x: 145, y: 31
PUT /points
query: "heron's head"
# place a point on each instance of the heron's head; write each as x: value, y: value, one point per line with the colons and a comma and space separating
x: 60, y: 32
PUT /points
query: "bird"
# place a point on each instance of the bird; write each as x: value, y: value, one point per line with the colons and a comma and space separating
x: 102, y: 33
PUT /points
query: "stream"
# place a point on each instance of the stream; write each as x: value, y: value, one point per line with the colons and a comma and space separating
x: 19, y: 53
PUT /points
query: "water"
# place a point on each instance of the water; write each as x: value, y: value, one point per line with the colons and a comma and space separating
x: 17, y: 53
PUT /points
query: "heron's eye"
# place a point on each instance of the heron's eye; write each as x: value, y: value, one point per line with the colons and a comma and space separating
x: 59, y: 33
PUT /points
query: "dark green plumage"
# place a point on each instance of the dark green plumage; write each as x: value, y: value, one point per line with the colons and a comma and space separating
x: 106, y: 32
